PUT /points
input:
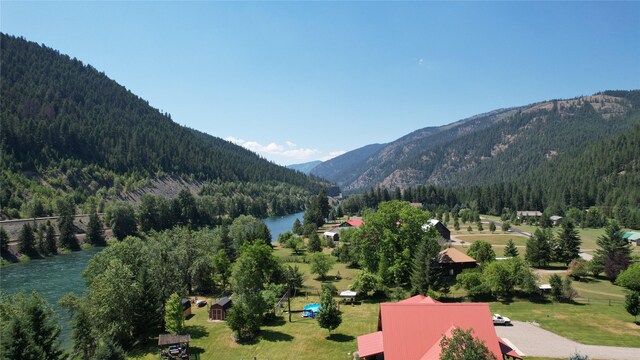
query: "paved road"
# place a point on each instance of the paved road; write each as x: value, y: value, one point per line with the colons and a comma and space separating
x: 535, y: 341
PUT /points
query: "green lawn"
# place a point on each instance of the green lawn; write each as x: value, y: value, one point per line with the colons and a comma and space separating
x: 497, y: 239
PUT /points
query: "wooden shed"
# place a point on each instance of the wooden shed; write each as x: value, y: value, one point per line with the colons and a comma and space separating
x: 186, y: 307
x: 453, y: 261
x: 218, y: 311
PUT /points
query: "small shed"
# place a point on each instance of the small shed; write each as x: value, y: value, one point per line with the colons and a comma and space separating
x: 218, y: 310
x: 186, y: 307
x: 333, y: 235
x: 174, y: 346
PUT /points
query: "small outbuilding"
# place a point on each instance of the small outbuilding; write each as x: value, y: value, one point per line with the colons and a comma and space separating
x: 555, y: 219
x: 348, y: 296
x: 174, y: 346
x: 218, y: 310
x: 186, y: 307
x: 632, y: 237
x: 332, y: 235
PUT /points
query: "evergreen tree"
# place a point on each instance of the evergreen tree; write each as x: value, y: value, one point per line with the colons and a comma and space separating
x: 456, y: 225
x: 323, y: 204
x: 539, y: 247
x: 297, y: 227
x: 82, y: 333
x: 26, y: 241
x: 511, y: 250
x: 492, y: 227
x: 66, y: 209
x: 4, y: 240
x: 463, y: 346
x: 329, y: 317
x: 479, y: 226
x: 108, y: 350
x: 506, y: 225
x: 556, y: 286
x: 50, y: 238
x: 426, y: 271
x: 95, y: 230
x: 174, y: 315
x: 614, y: 252
x: 568, y: 242
x: 314, y: 245
x: 42, y: 241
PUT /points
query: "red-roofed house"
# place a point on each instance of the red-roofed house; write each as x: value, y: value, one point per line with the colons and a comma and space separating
x: 353, y: 222
x: 412, y: 329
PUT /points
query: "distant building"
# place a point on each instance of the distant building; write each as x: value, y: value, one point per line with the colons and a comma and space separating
x: 413, y: 328
x: 352, y: 222
x: 333, y: 234
x: 632, y: 237
x: 218, y: 311
x: 556, y: 220
x: 442, y: 230
x: 453, y: 261
x: 522, y: 214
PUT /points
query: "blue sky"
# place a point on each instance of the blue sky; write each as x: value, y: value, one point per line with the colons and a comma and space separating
x: 298, y: 81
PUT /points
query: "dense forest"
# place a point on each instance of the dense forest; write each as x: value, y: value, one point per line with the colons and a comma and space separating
x: 69, y: 129
x: 604, y: 178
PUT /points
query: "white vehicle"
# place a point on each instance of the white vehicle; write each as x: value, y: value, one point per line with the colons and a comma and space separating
x: 501, y: 320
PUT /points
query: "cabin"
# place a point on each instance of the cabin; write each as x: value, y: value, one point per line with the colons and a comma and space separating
x: 445, y: 233
x: 186, y: 307
x: 218, y: 311
x: 528, y: 213
x: 453, y: 261
x: 413, y: 328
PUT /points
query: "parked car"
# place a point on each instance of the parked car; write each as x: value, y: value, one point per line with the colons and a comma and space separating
x: 501, y: 320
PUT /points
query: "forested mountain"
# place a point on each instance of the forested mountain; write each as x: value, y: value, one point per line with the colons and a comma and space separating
x: 505, y: 145
x: 346, y: 166
x: 66, y: 127
x: 305, y: 168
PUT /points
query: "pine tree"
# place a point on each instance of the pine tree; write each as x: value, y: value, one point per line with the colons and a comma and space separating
x: 568, y: 243
x: 67, y: 237
x: 26, y: 241
x: 426, y: 269
x: 50, y: 239
x: 297, y: 227
x: 492, y: 227
x: 511, y: 250
x: 4, y: 240
x: 174, y: 315
x: 314, y: 244
x: 42, y: 241
x: 95, y: 229
x: 539, y: 247
x: 329, y: 317
x: 614, y: 252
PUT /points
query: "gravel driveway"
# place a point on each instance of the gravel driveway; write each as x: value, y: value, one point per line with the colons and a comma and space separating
x: 535, y: 341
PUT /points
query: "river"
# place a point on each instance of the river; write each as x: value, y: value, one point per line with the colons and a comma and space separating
x: 56, y: 276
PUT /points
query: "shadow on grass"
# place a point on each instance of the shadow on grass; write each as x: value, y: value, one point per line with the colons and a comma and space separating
x: 277, y: 321
x: 274, y: 336
x: 340, y: 338
x: 196, y: 331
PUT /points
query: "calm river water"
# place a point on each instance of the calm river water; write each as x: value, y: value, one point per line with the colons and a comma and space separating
x: 55, y: 276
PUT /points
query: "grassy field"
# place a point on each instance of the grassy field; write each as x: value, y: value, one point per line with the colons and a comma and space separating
x: 495, y: 239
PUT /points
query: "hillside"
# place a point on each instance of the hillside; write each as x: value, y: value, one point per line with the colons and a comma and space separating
x: 503, y: 145
x: 68, y: 128
x: 305, y: 168
x: 347, y: 166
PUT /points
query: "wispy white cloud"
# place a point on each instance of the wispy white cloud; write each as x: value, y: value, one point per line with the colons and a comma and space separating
x: 332, y: 154
x: 420, y: 62
x: 289, y: 150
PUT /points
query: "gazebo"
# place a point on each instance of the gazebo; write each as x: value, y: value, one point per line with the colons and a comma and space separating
x: 174, y: 346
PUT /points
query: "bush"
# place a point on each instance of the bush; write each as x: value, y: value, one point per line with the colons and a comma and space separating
x: 578, y: 269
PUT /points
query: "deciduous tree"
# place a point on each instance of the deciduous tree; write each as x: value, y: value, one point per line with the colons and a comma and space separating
x: 462, y: 345
x: 174, y: 315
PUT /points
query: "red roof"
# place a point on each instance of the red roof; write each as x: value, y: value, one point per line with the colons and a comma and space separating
x: 419, y: 299
x: 414, y: 327
x: 355, y: 222
x: 370, y: 344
